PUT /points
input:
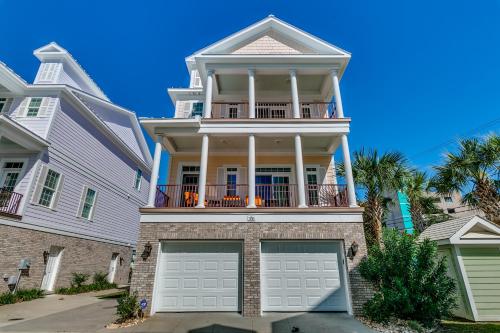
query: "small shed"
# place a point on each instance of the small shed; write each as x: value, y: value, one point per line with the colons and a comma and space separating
x: 471, y: 246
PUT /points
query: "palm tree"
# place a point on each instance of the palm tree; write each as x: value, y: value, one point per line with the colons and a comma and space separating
x: 377, y: 175
x: 473, y: 170
x: 421, y: 204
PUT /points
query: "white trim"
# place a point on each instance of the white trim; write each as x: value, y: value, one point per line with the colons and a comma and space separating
x: 259, y: 216
x: 346, y: 276
x: 83, y: 198
x: 468, y: 289
x: 154, y: 299
x: 22, y: 172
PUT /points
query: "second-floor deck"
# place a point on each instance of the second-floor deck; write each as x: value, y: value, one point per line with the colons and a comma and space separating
x: 273, y: 110
x: 9, y: 202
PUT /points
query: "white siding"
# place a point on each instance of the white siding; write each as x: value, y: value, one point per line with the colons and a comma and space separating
x: 39, y: 124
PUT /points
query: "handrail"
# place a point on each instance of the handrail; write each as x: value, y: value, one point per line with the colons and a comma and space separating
x: 9, y: 201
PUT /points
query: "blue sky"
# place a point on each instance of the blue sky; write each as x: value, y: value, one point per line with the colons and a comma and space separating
x: 422, y: 73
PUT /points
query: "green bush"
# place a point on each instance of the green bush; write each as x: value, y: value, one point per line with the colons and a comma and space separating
x: 78, y: 279
x: 409, y: 279
x: 128, y: 307
x: 21, y: 295
x: 100, y: 279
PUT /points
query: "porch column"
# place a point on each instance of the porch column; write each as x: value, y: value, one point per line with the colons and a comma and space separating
x: 208, y: 95
x: 251, y: 171
x: 251, y: 93
x: 299, y: 171
x: 351, y: 193
x: 295, y: 93
x: 154, y: 173
x: 336, y: 93
x: 202, y: 181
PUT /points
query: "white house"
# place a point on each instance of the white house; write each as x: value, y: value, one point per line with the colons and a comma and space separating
x: 74, y: 168
x: 252, y: 218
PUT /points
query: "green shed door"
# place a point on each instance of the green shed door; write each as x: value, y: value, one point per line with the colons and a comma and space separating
x: 482, y: 266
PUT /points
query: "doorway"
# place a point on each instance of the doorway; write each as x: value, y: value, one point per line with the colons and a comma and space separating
x: 52, y: 268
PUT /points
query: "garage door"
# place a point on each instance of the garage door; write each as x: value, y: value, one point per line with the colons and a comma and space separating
x: 198, y: 277
x: 302, y: 276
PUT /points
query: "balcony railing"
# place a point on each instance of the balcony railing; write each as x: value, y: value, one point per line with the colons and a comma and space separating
x: 236, y: 196
x: 272, y: 110
x: 9, y: 201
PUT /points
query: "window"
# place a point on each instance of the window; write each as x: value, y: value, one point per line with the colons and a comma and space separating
x: 3, y: 104
x: 138, y: 179
x: 10, y: 174
x: 34, y: 107
x: 277, y: 170
x: 233, y: 111
x: 197, y: 109
x: 306, y: 111
x: 88, y: 204
x: 190, y: 168
x: 231, y: 178
x: 448, y: 199
x: 49, y: 188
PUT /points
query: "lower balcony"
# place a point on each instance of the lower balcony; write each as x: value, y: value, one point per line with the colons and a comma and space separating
x: 9, y: 202
x: 236, y: 196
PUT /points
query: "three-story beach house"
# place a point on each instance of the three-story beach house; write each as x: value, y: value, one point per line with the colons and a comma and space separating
x: 252, y: 217
x: 74, y: 169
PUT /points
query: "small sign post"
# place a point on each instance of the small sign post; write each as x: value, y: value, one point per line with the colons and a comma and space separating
x: 143, y: 304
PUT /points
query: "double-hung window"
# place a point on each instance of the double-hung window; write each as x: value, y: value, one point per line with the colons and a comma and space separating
x: 138, y: 179
x: 197, y: 109
x: 88, y: 203
x: 49, y: 188
x: 34, y: 106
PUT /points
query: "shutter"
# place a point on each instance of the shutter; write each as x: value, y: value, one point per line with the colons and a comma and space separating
x: 186, y: 109
x: 221, y: 180
x: 39, y: 184
x: 45, y: 106
x: 82, y: 199
x: 322, y: 179
x: 23, y: 108
x: 92, y: 212
x: 57, y: 194
x: 242, y: 179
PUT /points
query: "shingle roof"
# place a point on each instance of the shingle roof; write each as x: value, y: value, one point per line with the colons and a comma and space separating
x: 445, y: 230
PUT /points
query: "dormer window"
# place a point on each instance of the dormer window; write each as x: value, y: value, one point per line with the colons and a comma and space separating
x: 197, y: 109
x: 34, y: 106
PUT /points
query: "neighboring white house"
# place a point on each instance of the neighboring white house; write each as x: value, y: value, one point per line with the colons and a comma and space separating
x: 74, y: 168
x: 252, y: 218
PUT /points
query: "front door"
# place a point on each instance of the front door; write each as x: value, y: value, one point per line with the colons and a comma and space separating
x: 189, y: 189
x: 51, y: 268
x: 112, y: 267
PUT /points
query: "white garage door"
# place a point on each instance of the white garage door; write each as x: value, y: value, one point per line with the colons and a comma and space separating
x: 201, y: 276
x: 302, y: 276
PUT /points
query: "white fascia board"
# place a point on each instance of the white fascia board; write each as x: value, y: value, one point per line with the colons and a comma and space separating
x: 321, y: 127
x: 21, y: 135
x: 257, y: 217
x: 475, y: 220
x: 183, y: 93
x: 10, y: 80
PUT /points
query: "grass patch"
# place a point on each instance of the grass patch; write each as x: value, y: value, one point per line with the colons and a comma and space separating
x: 22, y: 295
x: 462, y: 326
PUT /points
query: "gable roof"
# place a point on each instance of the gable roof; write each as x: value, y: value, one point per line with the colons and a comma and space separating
x: 53, y: 51
x: 464, y: 230
x: 275, y: 29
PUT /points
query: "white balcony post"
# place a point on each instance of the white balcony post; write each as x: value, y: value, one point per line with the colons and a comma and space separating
x: 208, y: 95
x: 251, y: 93
x: 251, y: 171
x: 351, y: 193
x: 202, y: 181
x: 336, y: 93
x: 155, y: 173
x: 299, y: 166
x: 295, y: 93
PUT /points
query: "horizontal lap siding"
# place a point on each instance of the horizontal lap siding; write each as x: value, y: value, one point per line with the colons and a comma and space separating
x: 482, y: 266
x: 87, y: 157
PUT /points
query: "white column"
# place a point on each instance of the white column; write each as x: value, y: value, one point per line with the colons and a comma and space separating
x: 251, y: 93
x: 351, y: 193
x: 154, y: 173
x: 336, y: 93
x: 295, y: 93
x: 202, y: 181
x: 299, y: 171
x: 208, y: 95
x: 251, y: 171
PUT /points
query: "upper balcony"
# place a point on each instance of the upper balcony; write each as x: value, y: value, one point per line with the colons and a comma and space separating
x: 9, y: 202
x: 272, y: 110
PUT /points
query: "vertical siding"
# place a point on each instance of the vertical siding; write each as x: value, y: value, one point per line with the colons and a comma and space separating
x: 87, y: 157
x: 482, y: 266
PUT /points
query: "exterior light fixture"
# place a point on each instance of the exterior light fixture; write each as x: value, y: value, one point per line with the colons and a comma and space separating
x: 45, y: 257
x: 353, y: 249
x: 147, y: 251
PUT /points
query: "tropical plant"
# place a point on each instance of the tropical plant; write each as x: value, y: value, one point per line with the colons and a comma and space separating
x: 128, y: 307
x: 78, y: 279
x: 421, y: 203
x: 409, y: 278
x: 377, y: 175
x: 474, y: 170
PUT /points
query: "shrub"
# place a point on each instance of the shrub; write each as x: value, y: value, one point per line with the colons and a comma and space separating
x: 21, y: 295
x: 409, y: 279
x: 78, y: 279
x: 100, y: 279
x: 8, y: 298
x: 128, y: 307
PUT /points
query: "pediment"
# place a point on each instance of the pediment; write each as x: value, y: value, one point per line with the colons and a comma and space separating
x: 480, y: 231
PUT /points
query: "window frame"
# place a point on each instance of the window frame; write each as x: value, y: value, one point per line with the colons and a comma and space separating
x: 54, y: 190
x: 138, y: 177
x: 83, y: 202
x: 3, y: 103
x: 28, y: 106
x: 22, y: 171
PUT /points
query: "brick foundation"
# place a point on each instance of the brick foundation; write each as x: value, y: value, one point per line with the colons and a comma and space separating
x: 251, y: 234
x: 80, y: 255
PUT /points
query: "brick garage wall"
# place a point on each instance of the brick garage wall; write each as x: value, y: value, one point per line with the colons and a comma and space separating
x: 251, y: 234
x: 80, y: 255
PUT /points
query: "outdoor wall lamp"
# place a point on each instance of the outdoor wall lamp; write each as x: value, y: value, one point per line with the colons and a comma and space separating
x: 353, y: 249
x: 45, y: 257
x: 147, y: 251
x: 121, y: 261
